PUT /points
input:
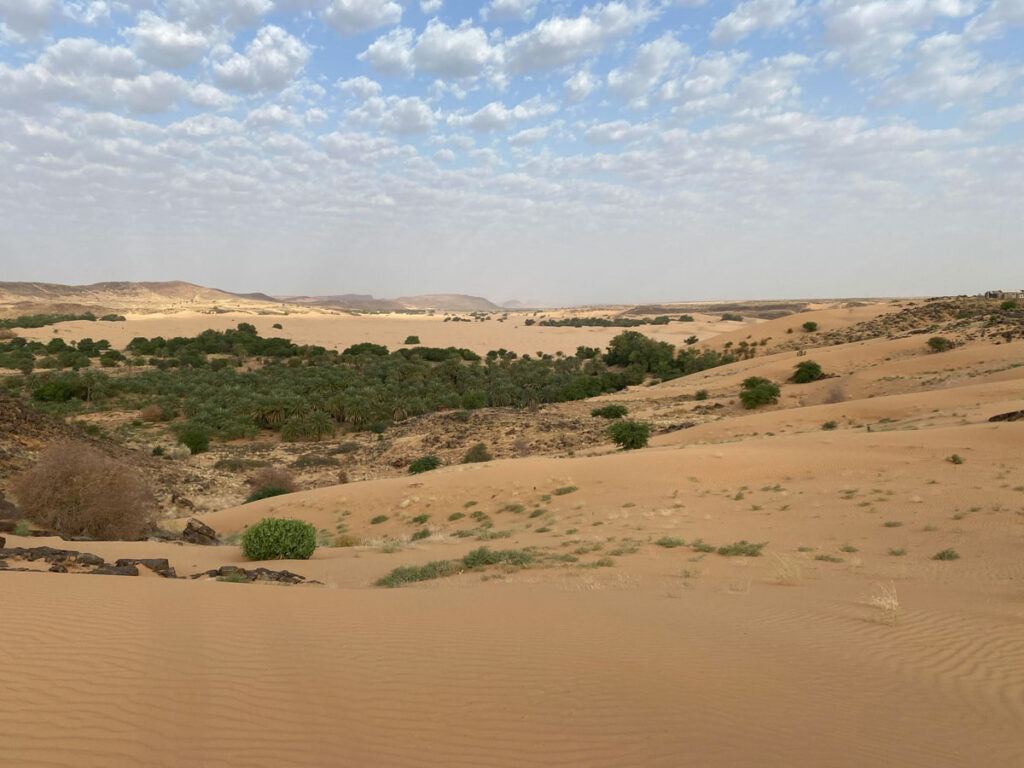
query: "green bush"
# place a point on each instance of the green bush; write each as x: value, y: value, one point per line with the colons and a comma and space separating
x: 742, y: 547
x: 424, y: 464
x: 732, y: 316
x: 1008, y: 304
x: 828, y: 426
x: 412, y: 340
x: 630, y: 435
x: 610, y: 412
x: 274, y: 538
x: 810, y: 326
x: 946, y: 554
x: 758, y: 391
x: 196, y: 437
x: 670, y: 541
x: 379, y: 519
x: 476, y: 454
x: 806, y: 372
x: 939, y: 344
x: 701, y: 394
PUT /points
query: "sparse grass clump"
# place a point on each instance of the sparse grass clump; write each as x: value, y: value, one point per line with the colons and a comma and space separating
x: 892, y: 523
x: 76, y: 490
x: 955, y: 459
x: 828, y: 558
x: 700, y: 546
x: 669, y: 542
x: 939, y: 344
x: 379, y: 519
x: 564, y: 490
x: 421, y: 519
x: 894, y: 552
x: 235, y: 577
x: 610, y: 412
x: 275, y: 538
x: 538, y: 512
x: 946, y: 554
x: 742, y: 548
x: 413, y: 573
x: 456, y: 516
x: 828, y: 426
x: 423, y: 533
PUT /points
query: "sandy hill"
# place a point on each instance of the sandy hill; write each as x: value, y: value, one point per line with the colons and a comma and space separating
x: 450, y: 301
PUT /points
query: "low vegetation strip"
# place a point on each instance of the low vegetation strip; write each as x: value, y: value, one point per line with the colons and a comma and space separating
x: 478, y: 558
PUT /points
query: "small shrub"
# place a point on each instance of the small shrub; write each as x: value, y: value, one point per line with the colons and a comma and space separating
x: 848, y: 548
x: 266, y: 492
x: 897, y: 552
x: 946, y: 554
x: 274, y: 476
x: 806, y: 372
x: 810, y: 326
x: 22, y: 528
x: 379, y: 519
x: 732, y: 316
x: 178, y: 452
x: 939, y: 344
x: 413, y: 573
x: 892, y: 523
x: 955, y: 459
x: 152, y: 413
x: 346, y: 540
x: 274, y: 538
x: 412, y: 340
x: 421, y: 519
x: 701, y: 394
x: 630, y: 435
x: 538, y: 512
x: 828, y: 426
x: 423, y: 533
x: 610, y: 412
x: 758, y: 391
x: 76, y: 490
x: 195, y: 437
x: 476, y: 454
x: 742, y: 547
x: 486, y: 556
x: 158, y: 450
x: 456, y: 516
x: 828, y: 558
x: 424, y: 464
x: 564, y: 490
x: 700, y: 546
x: 604, y: 562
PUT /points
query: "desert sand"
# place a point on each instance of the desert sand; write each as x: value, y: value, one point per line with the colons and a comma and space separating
x: 844, y: 644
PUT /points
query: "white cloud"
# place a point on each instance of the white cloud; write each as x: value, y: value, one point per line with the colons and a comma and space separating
x: 363, y: 87
x: 350, y: 17
x: 500, y: 10
x: 559, y: 40
x: 460, y: 52
x: 444, y: 156
x: 391, y: 55
x: 209, y: 14
x: 28, y: 18
x: 580, y: 85
x: 615, y: 131
x: 407, y: 116
x: 869, y: 35
x: 531, y: 135
x: 270, y: 62
x: 158, y: 92
x: 270, y: 116
x: 79, y: 56
x: 167, y: 43
x: 994, y: 20
x: 360, y: 148
x: 497, y: 117
x: 653, y: 61
x: 946, y: 71
x: 430, y: 6
x: 751, y: 16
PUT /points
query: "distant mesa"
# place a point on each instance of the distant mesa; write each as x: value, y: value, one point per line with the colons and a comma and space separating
x: 146, y: 297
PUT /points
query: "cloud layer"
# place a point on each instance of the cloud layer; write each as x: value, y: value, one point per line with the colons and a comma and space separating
x: 516, y: 146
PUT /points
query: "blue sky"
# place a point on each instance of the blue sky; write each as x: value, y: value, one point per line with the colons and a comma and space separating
x: 552, y: 151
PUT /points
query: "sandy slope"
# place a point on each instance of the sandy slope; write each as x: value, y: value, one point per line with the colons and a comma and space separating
x: 665, y: 657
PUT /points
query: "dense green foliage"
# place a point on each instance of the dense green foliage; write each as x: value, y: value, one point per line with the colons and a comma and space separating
x: 278, y: 538
x: 810, y: 326
x: 630, y: 435
x: 806, y: 372
x: 610, y: 412
x: 605, y: 322
x: 412, y: 339
x: 424, y: 464
x: 758, y: 391
x: 266, y: 492
x: 732, y: 316
x: 195, y: 436
x: 38, y: 321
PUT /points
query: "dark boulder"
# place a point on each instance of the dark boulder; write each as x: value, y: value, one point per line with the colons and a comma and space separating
x: 116, y: 570
x: 7, y: 508
x: 58, y: 568
x: 157, y: 565
x: 197, y: 532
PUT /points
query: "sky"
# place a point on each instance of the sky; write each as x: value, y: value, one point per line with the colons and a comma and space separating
x: 557, y: 152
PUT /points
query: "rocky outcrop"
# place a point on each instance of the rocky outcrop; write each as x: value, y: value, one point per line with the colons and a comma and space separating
x: 255, y: 574
x: 1010, y: 416
x: 157, y: 565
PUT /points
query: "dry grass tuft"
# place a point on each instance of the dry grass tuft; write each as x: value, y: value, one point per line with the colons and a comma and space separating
x: 786, y: 570
x: 885, y: 599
